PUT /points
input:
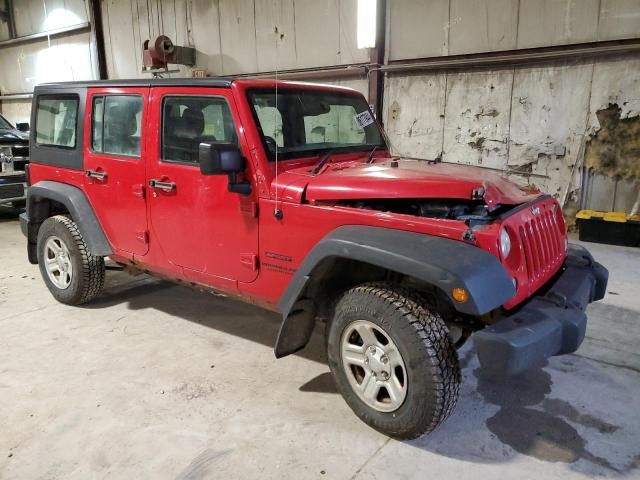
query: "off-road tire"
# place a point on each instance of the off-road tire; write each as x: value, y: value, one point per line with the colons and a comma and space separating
x: 421, y: 336
x: 89, y: 271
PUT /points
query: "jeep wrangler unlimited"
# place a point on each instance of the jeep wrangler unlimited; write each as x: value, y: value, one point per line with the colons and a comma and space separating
x: 14, y: 157
x: 286, y: 195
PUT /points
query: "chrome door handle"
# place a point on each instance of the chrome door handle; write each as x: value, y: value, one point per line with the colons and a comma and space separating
x: 102, y: 176
x: 164, y: 186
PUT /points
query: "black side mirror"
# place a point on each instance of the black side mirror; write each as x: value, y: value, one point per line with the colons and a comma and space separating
x: 23, y: 127
x: 217, y: 158
x: 220, y: 158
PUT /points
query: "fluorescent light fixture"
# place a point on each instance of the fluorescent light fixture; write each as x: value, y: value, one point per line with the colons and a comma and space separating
x: 366, y: 36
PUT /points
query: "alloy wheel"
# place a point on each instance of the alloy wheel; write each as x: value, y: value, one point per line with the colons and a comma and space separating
x: 58, y: 262
x: 374, y: 366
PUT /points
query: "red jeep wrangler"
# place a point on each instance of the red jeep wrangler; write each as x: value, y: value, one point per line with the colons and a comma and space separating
x: 286, y: 195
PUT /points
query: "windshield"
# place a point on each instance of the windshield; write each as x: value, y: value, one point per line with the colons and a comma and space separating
x: 306, y: 123
x: 4, y: 124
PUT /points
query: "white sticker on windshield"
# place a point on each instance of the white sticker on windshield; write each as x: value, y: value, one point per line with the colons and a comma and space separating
x: 363, y: 119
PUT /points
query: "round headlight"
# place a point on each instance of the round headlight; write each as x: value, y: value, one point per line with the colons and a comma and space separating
x: 505, y: 243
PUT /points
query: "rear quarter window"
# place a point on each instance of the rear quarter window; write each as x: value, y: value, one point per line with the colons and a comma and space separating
x: 56, y: 121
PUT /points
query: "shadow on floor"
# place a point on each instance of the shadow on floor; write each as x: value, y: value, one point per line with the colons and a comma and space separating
x: 542, y: 432
x: 526, y: 422
x: 221, y: 313
x: 9, y: 214
x: 322, y: 383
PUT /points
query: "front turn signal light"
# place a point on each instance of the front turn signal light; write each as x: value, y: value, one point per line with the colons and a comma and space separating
x: 460, y: 294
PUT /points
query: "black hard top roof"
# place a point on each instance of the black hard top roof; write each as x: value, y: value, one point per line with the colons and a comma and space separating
x: 144, y: 82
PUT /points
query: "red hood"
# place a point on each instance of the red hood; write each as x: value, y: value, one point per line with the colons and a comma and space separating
x: 350, y: 180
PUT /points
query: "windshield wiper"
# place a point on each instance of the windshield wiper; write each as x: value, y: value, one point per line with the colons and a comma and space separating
x: 370, y: 158
x: 321, y: 163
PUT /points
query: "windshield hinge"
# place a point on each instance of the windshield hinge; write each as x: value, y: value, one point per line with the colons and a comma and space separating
x: 477, y: 193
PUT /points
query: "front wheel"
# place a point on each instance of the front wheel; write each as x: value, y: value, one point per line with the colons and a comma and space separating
x: 71, y: 272
x: 393, y: 360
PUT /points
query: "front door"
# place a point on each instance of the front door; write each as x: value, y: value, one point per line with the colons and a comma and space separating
x: 198, y: 224
x: 114, y: 163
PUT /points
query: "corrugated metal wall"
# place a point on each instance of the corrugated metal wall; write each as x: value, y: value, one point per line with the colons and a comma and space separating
x: 531, y: 122
x: 534, y: 122
x: 235, y: 36
x: 61, y: 58
x: 419, y: 28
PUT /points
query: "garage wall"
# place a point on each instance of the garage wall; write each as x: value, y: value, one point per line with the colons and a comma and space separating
x: 419, y: 28
x: 539, y: 124
x: 534, y: 123
x: 235, y: 36
x: 58, y: 58
x: 35, y: 16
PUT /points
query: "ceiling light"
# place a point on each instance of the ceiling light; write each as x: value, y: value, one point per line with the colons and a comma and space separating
x: 366, y: 35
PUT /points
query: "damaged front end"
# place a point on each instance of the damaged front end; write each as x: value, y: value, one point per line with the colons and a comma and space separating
x: 472, y: 212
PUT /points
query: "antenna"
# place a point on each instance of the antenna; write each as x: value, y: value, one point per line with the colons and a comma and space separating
x: 44, y: 5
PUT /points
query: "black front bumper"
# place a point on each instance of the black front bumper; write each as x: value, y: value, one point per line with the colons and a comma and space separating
x: 552, y: 323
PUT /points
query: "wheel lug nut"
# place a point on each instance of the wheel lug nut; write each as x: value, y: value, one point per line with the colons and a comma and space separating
x: 384, y: 359
x: 372, y: 349
x: 384, y: 375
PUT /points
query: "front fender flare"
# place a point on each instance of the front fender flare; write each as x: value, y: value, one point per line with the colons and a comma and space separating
x: 441, y: 262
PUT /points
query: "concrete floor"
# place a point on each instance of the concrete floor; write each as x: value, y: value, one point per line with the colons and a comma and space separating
x: 158, y: 381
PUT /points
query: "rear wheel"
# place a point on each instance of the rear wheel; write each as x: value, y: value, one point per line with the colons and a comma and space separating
x: 393, y: 360
x: 72, y: 274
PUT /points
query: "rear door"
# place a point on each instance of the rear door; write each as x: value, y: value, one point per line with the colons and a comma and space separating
x: 114, y: 162
x: 199, y: 225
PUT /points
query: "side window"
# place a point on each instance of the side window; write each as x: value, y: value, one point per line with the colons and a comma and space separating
x: 188, y: 121
x: 56, y: 121
x: 97, y: 117
x: 116, y: 125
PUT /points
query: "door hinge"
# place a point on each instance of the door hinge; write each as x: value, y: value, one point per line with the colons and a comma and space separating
x: 143, y: 237
x: 138, y: 190
x: 249, y: 260
x: 249, y: 208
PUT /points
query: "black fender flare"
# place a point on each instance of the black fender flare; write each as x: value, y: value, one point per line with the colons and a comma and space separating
x: 79, y: 208
x: 438, y: 261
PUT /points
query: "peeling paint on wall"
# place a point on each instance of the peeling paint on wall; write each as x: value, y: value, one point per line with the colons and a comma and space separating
x: 548, y: 121
x: 615, y: 83
x: 477, y: 118
x: 537, y: 125
x: 414, y: 114
x: 614, y: 149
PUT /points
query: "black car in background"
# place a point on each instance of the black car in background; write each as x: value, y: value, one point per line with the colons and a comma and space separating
x: 14, y: 156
